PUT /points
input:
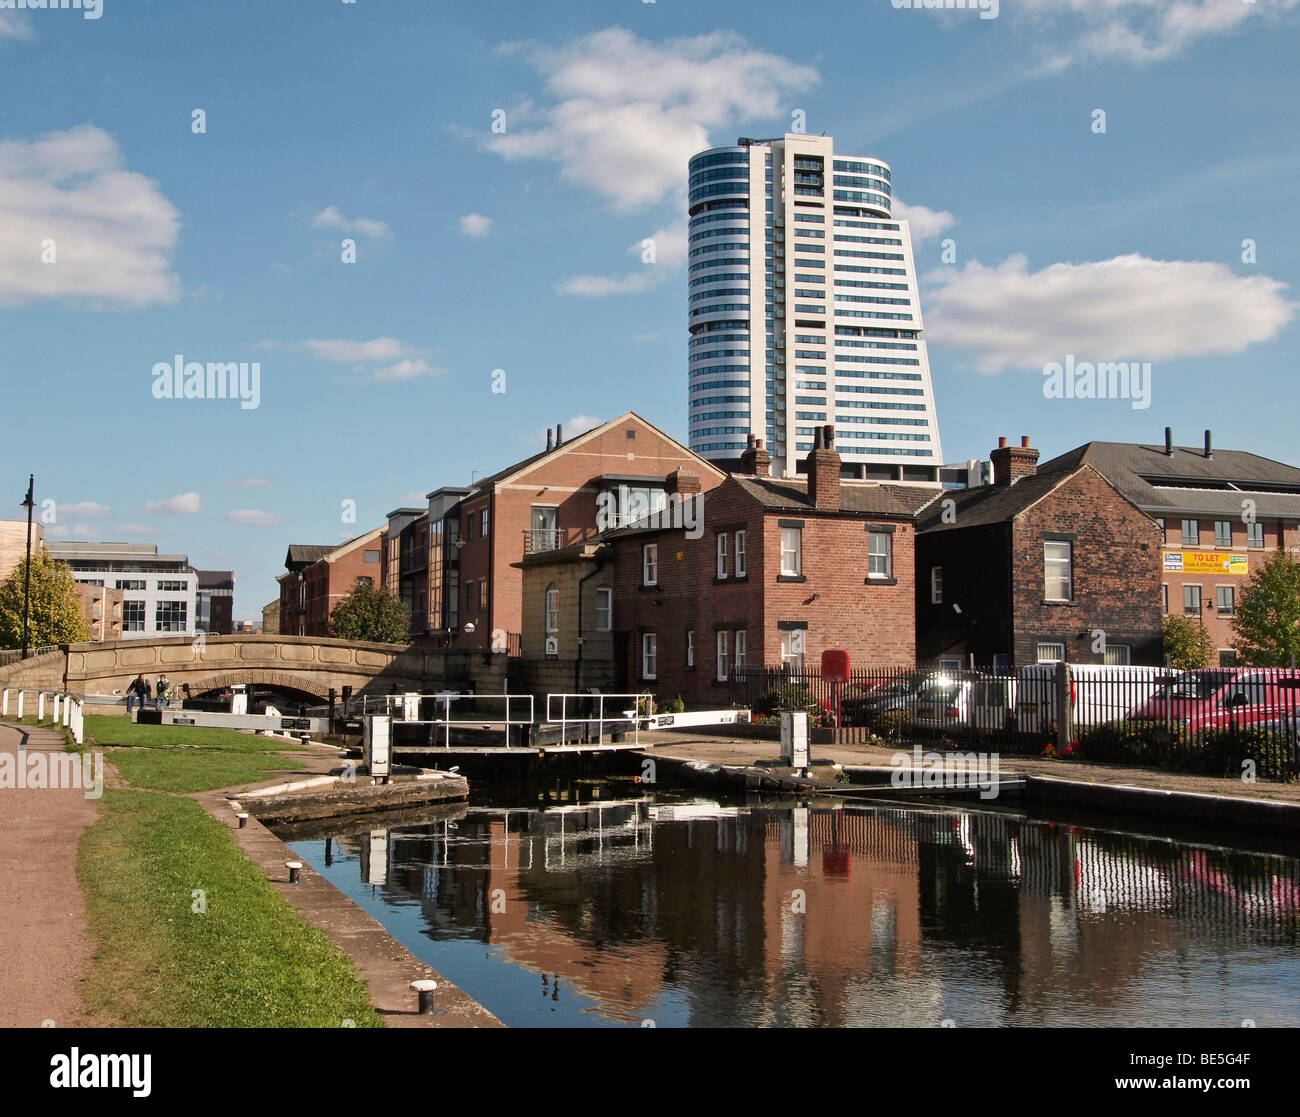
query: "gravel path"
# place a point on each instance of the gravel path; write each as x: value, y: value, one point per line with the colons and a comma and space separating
x: 42, y: 911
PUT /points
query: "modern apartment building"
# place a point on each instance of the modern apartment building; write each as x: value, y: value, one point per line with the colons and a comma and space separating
x: 159, y: 592
x: 216, y: 602
x: 803, y: 310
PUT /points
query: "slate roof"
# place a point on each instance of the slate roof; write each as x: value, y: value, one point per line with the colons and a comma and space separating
x: 1187, y: 481
x: 989, y: 504
x: 869, y: 498
x: 305, y: 553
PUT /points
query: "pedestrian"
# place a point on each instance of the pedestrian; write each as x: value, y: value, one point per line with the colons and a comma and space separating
x: 162, y: 691
x: 136, y: 693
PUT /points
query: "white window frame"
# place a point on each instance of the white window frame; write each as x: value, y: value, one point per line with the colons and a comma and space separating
x: 649, y: 655
x: 1200, y: 599
x: 1049, y: 562
x: 722, y: 655
x: 1044, y: 653
x: 604, y: 608
x: 738, y: 650
x: 888, y: 554
x: 690, y: 647
x: 722, y: 555
x: 1118, y: 655
x: 650, y: 564
x: 795, y: 568
x: 552, y: 608
x: 740, y: 554
x: 789, y: 657
x: 1195, y: 541
x: 1218, y: 535
x: 936, y: 585
x: 1218, y: 600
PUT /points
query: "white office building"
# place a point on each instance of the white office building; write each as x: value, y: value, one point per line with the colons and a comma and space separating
x: 804, y: 310
x: 159, y: 592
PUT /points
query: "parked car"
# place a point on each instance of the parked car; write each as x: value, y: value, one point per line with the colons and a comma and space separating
x: 941, y: 703
x: 1222, y: 697
x: 864, y: 705
x: 1099, y: 693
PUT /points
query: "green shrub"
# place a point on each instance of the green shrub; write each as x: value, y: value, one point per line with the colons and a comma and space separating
x: 784, y: 698
x: 893, y: 723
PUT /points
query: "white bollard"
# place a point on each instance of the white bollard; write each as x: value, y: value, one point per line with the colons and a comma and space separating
x: 20, y: 705
x: 4, y: 703
x: 67, y: 709
x: 40, y: 706
x: 55, y: 716
x: 78, y: 732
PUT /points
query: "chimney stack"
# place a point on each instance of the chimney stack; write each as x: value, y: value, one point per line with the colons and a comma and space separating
x: 1011, y: 463
x: 824, y: 469
x: 550, y: 440
x: 1209, y: 448
x: 559, y: 435
x: 756, y: 461
x: 1169, y: 442
x: 682, y: 482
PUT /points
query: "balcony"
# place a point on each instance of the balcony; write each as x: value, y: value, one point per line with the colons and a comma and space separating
x: 543, y: 539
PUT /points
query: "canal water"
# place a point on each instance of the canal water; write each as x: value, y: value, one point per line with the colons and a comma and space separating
x: 595, y: 907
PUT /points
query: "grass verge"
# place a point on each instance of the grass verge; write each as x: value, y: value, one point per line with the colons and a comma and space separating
x: 249, y: 960
x: 187, y: 758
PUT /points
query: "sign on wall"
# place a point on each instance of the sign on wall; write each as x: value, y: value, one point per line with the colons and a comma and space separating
x: 1206, y: 562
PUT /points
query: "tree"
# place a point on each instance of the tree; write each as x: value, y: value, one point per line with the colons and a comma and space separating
x: 1266, y: 624
x: 1187, y: 643
x: 370, y: 613
x: 55, y: 616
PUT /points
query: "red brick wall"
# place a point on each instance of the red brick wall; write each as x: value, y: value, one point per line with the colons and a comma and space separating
x: 564, y: 478
x: 1115, y: 570
x: 874, y: 622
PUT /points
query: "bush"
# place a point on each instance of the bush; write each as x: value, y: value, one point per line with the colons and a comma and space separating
x: 784, y: 698
x: 894, y: 723
x: 674, y: 706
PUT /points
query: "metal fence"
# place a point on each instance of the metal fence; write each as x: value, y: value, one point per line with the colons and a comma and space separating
x: 1238, y: 722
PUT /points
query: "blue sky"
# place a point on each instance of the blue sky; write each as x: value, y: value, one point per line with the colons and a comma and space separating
x: 520, y: 250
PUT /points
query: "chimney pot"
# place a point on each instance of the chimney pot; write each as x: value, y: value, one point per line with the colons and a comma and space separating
x: 559, y: 435
x: 1011, y: 463
x: 550, y: 439
x: 1002, y: 442
x: 1024, y: 441
x: 1209, y: 447
x: 1169, y: 441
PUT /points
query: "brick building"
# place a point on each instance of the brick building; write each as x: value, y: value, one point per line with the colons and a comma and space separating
x: 1042, y: 565
x: 13, y: 544
x: 317, y: 578
x: 101, y: 608
x: 772, y: 572
x: 456, y: 563
x: 1221, y: 514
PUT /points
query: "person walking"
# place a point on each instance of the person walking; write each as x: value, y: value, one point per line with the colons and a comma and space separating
x: 136, y: 693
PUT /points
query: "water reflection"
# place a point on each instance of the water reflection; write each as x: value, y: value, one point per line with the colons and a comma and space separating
x: 687, y: 911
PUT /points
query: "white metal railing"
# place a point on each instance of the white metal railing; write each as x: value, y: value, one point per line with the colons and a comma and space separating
x: 405, y: 709
x: 69, y: 707
x: 631, y: 709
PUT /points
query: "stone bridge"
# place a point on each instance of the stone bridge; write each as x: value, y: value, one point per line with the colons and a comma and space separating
x: 304, y: 663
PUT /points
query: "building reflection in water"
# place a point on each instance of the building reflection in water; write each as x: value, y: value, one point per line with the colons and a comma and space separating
x: 801, y: 916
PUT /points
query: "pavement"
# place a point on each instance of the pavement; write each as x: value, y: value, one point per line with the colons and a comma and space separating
x: 42, y: 911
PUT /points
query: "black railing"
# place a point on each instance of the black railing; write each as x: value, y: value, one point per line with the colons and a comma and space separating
x: 1236, y: 722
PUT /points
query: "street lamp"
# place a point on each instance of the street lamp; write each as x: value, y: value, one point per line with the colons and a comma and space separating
x: 29, y: 504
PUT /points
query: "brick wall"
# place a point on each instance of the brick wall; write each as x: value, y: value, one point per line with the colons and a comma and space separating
x: 13, y: 543
x: 1116, y: 581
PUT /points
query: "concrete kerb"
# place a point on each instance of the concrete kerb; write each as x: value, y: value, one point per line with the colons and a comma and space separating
x: 386, y: 966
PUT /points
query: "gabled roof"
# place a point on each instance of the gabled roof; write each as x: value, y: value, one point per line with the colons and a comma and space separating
x: 484, y: 484
x: 1187, y: 480
x: 989, y: 504
x: 305, y: 553
x: 870, y: 498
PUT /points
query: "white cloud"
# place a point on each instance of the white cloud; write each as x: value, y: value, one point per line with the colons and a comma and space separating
x: 254, y: 517
x: 135, y: 529
x: 627, y: 113
x: 183, y: 504
x: 924, y: 222
x: 76, y: 531
x: 1138, y: 31
x: 1126, y: 308
x: 15, y: 25
x: 574, y: 426
x: 668, y: 246
x: 82, y: 508
x: 383, y: 359
x: 112, y: 230
x: 475, y: 225
x: 331, y: 218
x: 249, y: 483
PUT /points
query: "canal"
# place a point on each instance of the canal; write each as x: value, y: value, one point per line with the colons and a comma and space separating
x: 595, y: 905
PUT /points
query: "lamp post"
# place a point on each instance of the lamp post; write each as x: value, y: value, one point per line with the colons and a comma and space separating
x: 29, y: 504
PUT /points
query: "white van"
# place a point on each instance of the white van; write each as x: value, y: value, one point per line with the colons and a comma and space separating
x: 1099, y: 693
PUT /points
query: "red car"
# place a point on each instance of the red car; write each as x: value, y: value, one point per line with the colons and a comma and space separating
x: 1227, y: 696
